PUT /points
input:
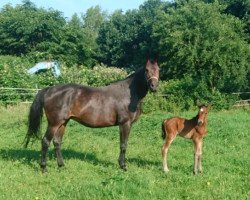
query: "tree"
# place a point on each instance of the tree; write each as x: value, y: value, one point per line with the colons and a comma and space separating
x: 198, y: 40
x: 240, y: 9
x: 72, y: 43
x: 125, y: 40
x: 92, y: 21
x: 26, y: 29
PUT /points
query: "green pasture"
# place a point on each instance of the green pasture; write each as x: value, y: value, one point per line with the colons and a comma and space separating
x: 92, y: 171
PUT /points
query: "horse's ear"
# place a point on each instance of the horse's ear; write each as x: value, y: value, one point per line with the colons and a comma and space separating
x: 156, y: 59
x: 148, y: 64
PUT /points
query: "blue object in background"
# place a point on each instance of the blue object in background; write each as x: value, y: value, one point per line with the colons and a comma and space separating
x: 54, y: 66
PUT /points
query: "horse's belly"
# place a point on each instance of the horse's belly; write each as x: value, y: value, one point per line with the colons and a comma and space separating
x: 93, y: 117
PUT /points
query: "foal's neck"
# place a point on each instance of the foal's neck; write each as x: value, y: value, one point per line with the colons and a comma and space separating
x: 195, y: 121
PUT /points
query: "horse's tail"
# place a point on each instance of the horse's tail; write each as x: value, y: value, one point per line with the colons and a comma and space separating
x: 35, y: 117
x: 163, y: 130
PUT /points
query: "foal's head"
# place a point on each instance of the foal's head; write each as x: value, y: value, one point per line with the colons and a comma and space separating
x: 202, y: 114
x: 152, y: 75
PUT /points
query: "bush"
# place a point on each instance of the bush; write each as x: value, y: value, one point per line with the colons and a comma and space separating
x: 100, y: 75
x: 13, y: 73
x: 184, y: 94
x: 173, y: 95
x: 154, y: 102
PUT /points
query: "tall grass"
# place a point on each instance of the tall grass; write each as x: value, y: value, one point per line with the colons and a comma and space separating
x: 92, y: 170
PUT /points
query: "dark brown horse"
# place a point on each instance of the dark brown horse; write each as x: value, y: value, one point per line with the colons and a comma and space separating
x: 118, y: 104
x: 194, y: 129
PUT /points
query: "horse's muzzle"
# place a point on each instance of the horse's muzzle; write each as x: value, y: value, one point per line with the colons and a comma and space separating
x: 153, y: 87
x: 153, y: 84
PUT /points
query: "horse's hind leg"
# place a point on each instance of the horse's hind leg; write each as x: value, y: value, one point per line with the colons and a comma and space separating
x: 57, y: 140
x: 45, y: 145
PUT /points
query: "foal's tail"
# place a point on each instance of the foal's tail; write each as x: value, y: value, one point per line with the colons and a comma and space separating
x: 163, y: 134
x: 35, y: 117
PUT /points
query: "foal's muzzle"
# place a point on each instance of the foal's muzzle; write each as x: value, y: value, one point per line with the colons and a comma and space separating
x: 200, y: 122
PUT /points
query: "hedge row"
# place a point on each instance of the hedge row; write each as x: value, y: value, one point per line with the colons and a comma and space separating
x: 173, y: 95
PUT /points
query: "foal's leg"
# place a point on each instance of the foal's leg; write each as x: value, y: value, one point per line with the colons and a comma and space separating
x: 124, y: 133
x: 169, y: 139
x: 197, y: 155
x: 45, y: 145
x: 57, y: 140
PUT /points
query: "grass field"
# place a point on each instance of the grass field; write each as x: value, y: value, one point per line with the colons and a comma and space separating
x: 92, y: 170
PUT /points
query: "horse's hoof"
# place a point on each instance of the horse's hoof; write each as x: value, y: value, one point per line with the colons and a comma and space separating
x: 61, y: 165
x: 124, y: 168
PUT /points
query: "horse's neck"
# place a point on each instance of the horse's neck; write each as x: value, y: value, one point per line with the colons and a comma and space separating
x: 138, y: 84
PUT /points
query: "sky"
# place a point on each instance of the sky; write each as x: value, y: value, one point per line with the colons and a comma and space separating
x: 69, y: 7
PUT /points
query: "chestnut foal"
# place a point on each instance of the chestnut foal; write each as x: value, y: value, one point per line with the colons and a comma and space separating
x: 194, y: 129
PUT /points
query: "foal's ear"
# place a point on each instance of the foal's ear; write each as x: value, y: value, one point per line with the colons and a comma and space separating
x: 199, y: 104
x: 209, y: 105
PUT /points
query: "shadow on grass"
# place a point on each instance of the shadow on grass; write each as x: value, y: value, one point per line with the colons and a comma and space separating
x: 174, y: 168
x: 32, y: 157
x: 143, y: 163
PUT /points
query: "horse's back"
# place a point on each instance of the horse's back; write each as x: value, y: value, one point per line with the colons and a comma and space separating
x: 90, y: 106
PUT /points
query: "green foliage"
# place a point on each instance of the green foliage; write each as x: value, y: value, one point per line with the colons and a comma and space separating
x: 45, y: 34
x: 100, y: 75
x: 173, y: 95
x: 154, y: 102
x: 25, y: 29
x: 13, y: 73
x: 202, y: 47
x: 92, y: 170
x: 184, y: 94
x: 198, y: 40
x: 125, y: 39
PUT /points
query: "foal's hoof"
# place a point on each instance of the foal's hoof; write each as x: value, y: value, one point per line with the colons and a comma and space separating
x: 165, y: 170
x: 195, y: 173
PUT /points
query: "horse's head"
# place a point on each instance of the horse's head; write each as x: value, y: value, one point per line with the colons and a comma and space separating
x: 202, y: 114
x: 152, y: 75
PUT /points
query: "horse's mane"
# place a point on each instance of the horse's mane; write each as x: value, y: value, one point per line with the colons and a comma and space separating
x: 132, y: 75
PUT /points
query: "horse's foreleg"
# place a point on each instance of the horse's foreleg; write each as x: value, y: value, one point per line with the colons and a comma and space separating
x: 169, y: 139
x: 124, y: 133
x: 45, y: 145
x: 197, y: 155
x: 57, y: 140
